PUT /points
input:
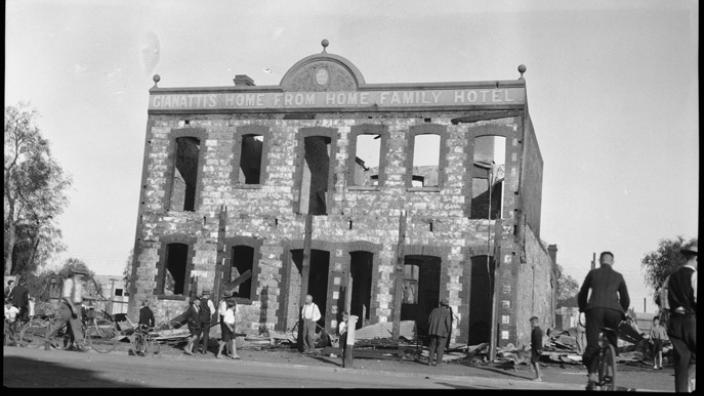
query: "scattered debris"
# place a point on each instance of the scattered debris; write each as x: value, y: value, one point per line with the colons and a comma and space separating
x: 385, y: 330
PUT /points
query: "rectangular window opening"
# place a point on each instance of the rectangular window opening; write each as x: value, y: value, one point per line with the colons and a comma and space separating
x: 314, y: 181
x: 185, y: 175
x: 118, y: 292
x: 242, y: 261
x: 366, y: 166
x: 426, y: 160
x: 251, y: 159
x: 174, y: 280
x: 488, y: 169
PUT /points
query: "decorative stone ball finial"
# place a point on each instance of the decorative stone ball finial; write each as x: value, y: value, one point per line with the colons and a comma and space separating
x: 325, y: 44
x: 156, y: 79
x: 521, y: 69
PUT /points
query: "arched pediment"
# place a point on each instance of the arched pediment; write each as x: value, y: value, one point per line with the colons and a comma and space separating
x: 322, y: 72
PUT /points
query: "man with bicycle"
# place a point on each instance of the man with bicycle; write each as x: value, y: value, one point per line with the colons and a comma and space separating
x: 606, y: 307
x: 145, y: 324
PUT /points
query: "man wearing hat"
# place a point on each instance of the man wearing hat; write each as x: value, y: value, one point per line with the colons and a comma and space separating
x: 682, y: 325
x: 439, y: 328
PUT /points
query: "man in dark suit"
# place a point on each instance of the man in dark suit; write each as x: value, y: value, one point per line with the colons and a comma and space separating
x: 682, y: 325
x: 606, y: 307
x: 439, y: 328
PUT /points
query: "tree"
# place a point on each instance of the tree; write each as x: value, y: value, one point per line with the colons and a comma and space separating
x: 39, y: 284
x: 659, y: 264
x: 567, y: 288
x: 33, y: 195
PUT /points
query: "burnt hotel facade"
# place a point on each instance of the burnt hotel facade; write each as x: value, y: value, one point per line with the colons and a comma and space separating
x: 415, y: 191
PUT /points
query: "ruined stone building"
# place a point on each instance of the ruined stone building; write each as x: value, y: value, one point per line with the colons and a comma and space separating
x: 231, y: 173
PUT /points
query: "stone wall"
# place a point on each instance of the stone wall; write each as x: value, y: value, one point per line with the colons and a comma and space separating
x: 536, y: 291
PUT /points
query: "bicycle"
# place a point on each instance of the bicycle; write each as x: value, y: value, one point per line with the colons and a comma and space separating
x: 142, y: 337
x: 606, y: 357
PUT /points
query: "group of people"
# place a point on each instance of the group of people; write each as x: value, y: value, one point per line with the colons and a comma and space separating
x: 198, y: 317
x: 608, y: 303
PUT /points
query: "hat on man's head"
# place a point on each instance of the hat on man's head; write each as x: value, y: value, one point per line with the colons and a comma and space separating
x: 445, y: 302
x: 689, y: 251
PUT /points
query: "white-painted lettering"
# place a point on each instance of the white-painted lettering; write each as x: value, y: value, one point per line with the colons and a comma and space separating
x: 495, y: 96
x: 329, y: 98
x: 471, y: 96
x: 364, y: 98
x: 277, y: 99
x: 506, y: 98
x: 395, y: 99
x: 260, y: 100
x: 436, y: 96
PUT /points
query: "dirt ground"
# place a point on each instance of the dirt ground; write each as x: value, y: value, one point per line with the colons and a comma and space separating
x: 640, y: 378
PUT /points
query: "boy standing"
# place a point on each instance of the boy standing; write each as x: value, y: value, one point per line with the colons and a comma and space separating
x: 657, y: 337
x: 536, y: 347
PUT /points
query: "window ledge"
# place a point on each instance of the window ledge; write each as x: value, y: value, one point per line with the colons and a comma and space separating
x: 423, y: 189
x: 174, y: 297
x: 363, y: 188
x: 247, y: 186
x: 243, y: 301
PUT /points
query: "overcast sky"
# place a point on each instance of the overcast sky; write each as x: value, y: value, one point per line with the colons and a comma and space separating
x: 612, y: 88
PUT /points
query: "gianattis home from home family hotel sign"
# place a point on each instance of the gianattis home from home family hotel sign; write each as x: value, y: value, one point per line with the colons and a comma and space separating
x: 326, y: 82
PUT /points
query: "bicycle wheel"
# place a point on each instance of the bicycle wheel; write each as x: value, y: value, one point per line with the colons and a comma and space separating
x: 101, y: 340
x: 607, y: 367
x: 152, y: 347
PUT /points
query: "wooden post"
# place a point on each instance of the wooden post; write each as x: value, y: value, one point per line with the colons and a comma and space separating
x: 305, y: 274
x: 348, y: 293
x: 398, y: 278
x: 220, y: 264
x: 348, y: 355
x: 593, y: 260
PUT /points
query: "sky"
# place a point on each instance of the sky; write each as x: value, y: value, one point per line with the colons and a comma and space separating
x: 612, y: 88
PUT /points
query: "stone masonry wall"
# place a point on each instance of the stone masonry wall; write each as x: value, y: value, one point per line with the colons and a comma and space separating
x: 536, y: 291
x: 266, y: 212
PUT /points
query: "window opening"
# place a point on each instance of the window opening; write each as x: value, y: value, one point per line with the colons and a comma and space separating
x: 426, y: 160
x: 488, y: 169
x: 183, y: 190
x: 251, y: 159
x: 242, y: 261
x: 314, y: 181
x: 367, y: 152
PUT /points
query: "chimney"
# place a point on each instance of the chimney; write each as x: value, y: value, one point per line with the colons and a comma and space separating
x: 243, y: 80
x: 552, y: 251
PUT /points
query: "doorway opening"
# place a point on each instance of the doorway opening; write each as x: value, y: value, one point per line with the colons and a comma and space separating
x: 481, y: 293
x: 361, y: 265
x: 317, y: 283
x: 421, y: 290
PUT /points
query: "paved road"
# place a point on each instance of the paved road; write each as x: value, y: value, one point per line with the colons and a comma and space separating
x: 39, y: 368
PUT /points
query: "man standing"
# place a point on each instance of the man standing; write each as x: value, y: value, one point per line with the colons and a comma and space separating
x: 682, y: 325
x: 536, y: 347
x: 606, y: 307
x: 439, y: 328
x: 192, y: 318
x: 205, y: 312
x: 310, y: 314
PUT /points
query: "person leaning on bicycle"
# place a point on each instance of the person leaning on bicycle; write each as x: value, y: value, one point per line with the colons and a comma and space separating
x: 145, y: 324
x: 606, y: 307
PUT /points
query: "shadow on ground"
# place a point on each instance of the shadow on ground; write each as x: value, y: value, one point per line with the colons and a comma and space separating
x: 29, y: 373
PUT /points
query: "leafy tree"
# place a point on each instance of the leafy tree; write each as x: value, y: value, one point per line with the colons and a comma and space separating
x: 659, y: 264
x: 567, y: 288
x: 39, y: 284
x: 34, y: 186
